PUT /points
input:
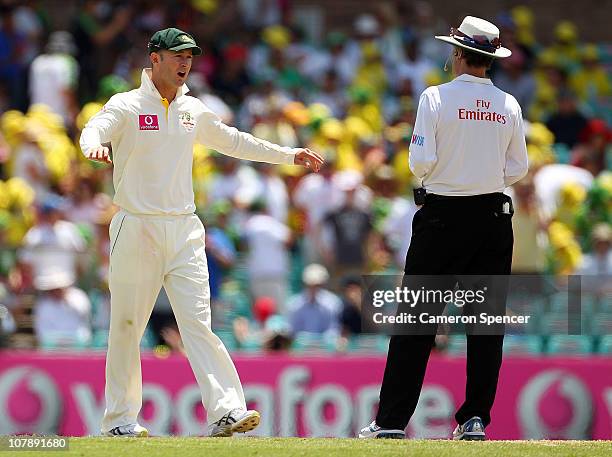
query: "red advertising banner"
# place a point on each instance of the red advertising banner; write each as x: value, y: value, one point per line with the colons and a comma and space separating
x: 550, y: 397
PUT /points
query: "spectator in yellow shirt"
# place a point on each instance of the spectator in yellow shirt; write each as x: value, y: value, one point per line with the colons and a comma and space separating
x: 591, y: 82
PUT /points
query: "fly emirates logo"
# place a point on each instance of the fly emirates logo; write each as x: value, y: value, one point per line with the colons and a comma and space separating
x: 481, y: 113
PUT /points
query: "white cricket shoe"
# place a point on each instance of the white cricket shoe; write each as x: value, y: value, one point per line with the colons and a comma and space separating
x: 374, y: 431
x: 238, y: 420
x: 130, y: 430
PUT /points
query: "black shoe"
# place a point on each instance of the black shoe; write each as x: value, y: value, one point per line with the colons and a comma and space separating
x: 472, y: 430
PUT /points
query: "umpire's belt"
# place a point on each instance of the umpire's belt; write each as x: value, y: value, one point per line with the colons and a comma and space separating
x: 497, y: 200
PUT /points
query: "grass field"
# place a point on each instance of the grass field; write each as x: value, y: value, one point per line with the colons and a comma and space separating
x: 327, y: 447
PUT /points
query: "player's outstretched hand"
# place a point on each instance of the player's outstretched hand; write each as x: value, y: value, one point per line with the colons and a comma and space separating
x: 308, y: 159
x: 99, y: 154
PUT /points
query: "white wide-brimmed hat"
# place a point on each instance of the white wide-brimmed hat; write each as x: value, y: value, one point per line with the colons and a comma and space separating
x: 347, y: 180
x: 315, y: 275
x: 477, y: 35
x: 61, y: 42
x: 366, y: 24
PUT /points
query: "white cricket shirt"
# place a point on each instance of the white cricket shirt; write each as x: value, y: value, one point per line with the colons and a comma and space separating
x: 468, y: 138
x: 152, y: 145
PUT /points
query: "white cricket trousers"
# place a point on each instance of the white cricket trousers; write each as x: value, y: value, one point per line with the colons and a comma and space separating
x: 146, y: 253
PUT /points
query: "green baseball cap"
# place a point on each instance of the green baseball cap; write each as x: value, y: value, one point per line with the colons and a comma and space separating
x: 173, y: 40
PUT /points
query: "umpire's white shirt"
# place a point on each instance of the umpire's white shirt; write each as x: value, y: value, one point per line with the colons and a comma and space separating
x: 468, y: 138
x: 152, y: 145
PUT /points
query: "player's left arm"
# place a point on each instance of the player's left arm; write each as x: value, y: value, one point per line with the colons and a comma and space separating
x: 517, y: 162
x: 423, y: 154
x: 214, y: 134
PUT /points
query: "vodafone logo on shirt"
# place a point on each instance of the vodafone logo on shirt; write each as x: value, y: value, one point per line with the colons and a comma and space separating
x: 148, y: 122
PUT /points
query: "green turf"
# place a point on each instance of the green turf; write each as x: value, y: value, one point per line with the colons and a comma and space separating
x: 325, y: 447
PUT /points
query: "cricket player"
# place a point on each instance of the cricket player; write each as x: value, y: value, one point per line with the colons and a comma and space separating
x: 156, y: 239
x: 467, y: 146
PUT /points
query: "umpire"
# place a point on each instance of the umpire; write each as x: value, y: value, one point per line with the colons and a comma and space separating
x: 467, y: 146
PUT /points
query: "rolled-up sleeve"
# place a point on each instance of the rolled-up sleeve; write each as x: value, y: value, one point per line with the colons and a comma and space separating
x: 214, y: 134
x: 104, y: 127
x: 423, y: 142
x: 517, y: 162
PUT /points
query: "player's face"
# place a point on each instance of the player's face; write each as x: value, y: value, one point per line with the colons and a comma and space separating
x: 175, y: 66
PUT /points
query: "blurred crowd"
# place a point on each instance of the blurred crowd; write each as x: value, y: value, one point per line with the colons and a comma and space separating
x: 285, y: 249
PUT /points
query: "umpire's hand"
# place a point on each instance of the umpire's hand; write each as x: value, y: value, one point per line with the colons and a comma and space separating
x: 99, y: 154
x: 308, y: 159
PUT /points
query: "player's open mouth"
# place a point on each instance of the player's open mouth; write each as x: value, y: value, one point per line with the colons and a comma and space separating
x: 182, y: 74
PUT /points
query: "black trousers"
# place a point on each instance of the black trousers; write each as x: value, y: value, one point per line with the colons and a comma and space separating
x: 450, y: 236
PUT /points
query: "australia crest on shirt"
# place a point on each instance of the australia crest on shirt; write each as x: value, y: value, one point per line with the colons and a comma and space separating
x: 187, y: 120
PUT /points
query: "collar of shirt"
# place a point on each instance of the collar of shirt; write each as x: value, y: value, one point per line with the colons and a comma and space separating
x: 147, y: 86
x: 473, y: 79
